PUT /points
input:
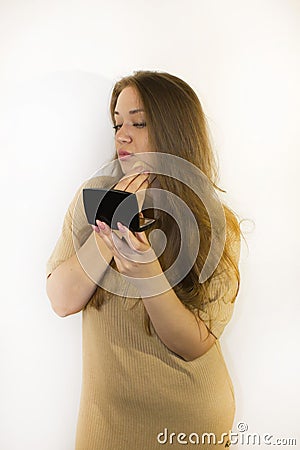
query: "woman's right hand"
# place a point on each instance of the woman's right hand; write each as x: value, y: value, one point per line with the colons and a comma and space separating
x: 136, y: 184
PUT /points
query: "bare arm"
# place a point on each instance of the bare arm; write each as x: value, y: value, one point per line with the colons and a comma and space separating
x: 69, y: 288
x: 177, y: 327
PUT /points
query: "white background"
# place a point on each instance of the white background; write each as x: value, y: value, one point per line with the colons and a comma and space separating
x: 58, y: 63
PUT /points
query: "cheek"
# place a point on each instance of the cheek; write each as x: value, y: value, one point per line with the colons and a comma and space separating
x: 141, y: 144
x: 146, y: 144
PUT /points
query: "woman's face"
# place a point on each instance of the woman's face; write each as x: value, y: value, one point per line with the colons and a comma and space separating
x: 131, y: 130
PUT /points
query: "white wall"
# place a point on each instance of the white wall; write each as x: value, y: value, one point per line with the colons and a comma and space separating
x: 58, y: 63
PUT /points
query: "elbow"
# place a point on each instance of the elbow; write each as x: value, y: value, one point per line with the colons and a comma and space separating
x: 58, y: 300
x: 61, y: 307
x: 199, y: 352
x: 61, y: 310
x: 191, y: 358
x: 58, y: 307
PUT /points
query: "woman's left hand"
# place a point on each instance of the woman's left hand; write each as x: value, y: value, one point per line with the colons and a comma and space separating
x: 132, y: 252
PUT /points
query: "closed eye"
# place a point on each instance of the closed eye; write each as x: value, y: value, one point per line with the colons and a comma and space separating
x: 140, y: 125
x: 137, y: 125
x: 116, y: 127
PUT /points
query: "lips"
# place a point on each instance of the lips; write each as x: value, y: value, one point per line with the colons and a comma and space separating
x: 123, y: 153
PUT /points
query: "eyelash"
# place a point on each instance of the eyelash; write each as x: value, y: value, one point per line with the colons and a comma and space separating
x: 137, y: 125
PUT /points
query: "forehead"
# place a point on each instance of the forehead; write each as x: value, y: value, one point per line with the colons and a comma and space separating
x: 128, y: 99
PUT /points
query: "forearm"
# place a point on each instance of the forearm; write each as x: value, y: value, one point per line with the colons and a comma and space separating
x: 177, y: 327
x: 70, y: 287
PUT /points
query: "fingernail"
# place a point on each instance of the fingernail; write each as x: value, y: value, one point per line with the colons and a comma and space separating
x: 95, y: 228
x: 101, y: 224
x: 121, y: 227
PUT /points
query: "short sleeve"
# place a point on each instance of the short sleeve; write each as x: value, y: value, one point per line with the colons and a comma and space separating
x: 75, y: 228
x: 222, y: 292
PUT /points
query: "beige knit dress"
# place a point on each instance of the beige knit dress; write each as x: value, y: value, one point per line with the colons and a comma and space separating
x: 136, y: 393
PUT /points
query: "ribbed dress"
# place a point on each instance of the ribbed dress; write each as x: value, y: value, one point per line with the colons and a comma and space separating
x: 136, y: 393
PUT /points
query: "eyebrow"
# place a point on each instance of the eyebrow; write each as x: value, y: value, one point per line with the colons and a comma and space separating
x: 132, y: 111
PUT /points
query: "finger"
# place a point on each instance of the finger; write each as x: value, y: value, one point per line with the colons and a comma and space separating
x: 130, y: 177
x: 151, y: 179
x: 138, y: 248
x: 144, y: 184
x: 104, y: 233
x: 141, y: 236
x: 136, y: 183
x: 126, y: 180
x: 102, y: 226
x: 116, y: 244
x: 135, y: 244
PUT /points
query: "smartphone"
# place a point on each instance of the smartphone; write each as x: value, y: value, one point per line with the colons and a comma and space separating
x: 112, y: 206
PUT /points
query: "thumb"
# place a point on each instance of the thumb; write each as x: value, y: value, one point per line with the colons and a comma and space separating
x: 141, y: 236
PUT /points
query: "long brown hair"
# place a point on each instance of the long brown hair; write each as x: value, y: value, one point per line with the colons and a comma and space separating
x: 177, y: 126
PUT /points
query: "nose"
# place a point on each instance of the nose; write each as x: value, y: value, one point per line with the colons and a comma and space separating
x: 123, y: 136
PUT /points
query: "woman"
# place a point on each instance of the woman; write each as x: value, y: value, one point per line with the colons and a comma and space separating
x: 153, y: 369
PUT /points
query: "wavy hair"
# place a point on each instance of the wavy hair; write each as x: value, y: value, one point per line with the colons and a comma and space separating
x: 177, y: 125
